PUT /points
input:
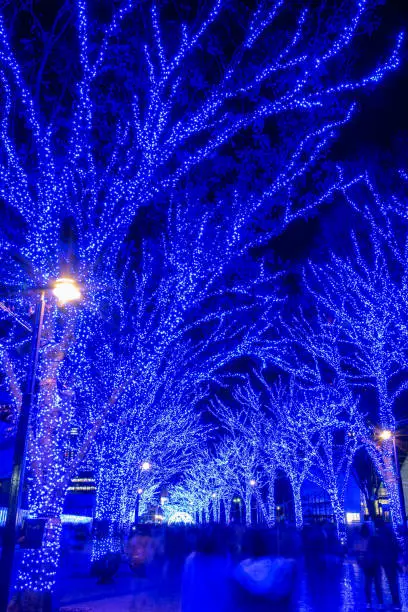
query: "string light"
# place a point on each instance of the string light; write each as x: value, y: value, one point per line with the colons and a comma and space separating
x: 358, y: 328
x: 91, y: 367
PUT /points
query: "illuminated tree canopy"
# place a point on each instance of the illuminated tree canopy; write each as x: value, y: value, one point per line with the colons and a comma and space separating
x: 153, y: 152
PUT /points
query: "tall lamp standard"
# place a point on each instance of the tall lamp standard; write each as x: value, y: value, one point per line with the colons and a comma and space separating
x: 252, y: 484
x: 139, y: 493
x: 65, y: 290
x: 387, y: 435
x: 146, y: 466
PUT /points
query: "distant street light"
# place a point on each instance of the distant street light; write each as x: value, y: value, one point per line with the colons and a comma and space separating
x: 146, y: 466
x: 65, y: 290
x: 252, y: 482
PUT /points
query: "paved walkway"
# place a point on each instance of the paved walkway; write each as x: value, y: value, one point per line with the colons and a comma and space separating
x: 142, y: 602
x: 338, y: 589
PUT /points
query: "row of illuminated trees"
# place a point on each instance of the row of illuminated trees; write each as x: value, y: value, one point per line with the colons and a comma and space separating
x: 345, y: 363
x: 160, y: 323
x: 274, y: 431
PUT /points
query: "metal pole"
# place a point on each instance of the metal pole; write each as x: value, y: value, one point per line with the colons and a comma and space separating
x: 137, y: 510
x: 400, y: 487
x: 19, y: 459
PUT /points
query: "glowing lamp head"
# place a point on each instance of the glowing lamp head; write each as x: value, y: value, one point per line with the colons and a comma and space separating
x: 252, y: 482
x: 214, y: 495
x: 146, y: 466
x: 66, y: 290
x: 385, y: 434
x: 140, y: 491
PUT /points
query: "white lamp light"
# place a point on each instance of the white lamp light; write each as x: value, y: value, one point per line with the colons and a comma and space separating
x: 66, y: 290
x: 385, y: 434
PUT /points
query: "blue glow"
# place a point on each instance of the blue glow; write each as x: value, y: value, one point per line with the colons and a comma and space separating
x: 154, y: 331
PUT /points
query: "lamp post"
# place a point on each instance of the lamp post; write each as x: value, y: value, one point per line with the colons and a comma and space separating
x: 145, y: 466
x: 65, y: 291
x: 237, y: 500
x: 252, y: 484
x: 139, y: 492
x: 387, y: 435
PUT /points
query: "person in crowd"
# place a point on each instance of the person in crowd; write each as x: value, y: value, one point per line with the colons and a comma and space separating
x: 263, y: 580
x: 368, y: 557
x: 206, y: 574
x: 389, y: 552
x: 140, y: 550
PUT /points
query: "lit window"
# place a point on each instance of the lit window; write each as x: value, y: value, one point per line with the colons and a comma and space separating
x: 352, y: 517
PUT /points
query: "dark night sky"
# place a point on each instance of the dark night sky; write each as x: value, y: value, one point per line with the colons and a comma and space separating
x: 375, y: 138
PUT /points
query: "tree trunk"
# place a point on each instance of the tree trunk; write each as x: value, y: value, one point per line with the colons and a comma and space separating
x: 227, y: 510
x: 262, y: 509
x: 248, y: 513
x: 47, y: 464
x: 38, y: 568
x: 297, y: 504
x: 339, y: 517
x: 217, y: 511
x: 387, y: 469
x: 271, y: 502
x: 107, y: 540
x: 106, y: 535
x: 383, y: 459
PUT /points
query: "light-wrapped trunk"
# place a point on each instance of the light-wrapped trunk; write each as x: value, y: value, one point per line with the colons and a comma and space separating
x: 248, y: 513
x: 206, y: 515
x: 227, y: 510
x: 297, y: 503
x: 262, y: 508
x: 38, y: 568
x: 337, y: 503
x: 386, y: 462
x: 271, y: 503
x: 217, y: 510
x: 108, y: 515
x: 47, y: 462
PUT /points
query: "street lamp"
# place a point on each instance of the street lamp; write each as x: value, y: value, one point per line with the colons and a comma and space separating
x: 386, y: 435
x: 252, y: 482
x: 139, y: 492
x: 66, y: 290
x: 145, y: 466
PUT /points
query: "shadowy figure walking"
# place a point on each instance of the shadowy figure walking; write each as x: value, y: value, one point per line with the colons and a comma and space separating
x: 205, y: 586
x: 368, y: 557
x: 265, y: 582
x: 389, y: 552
